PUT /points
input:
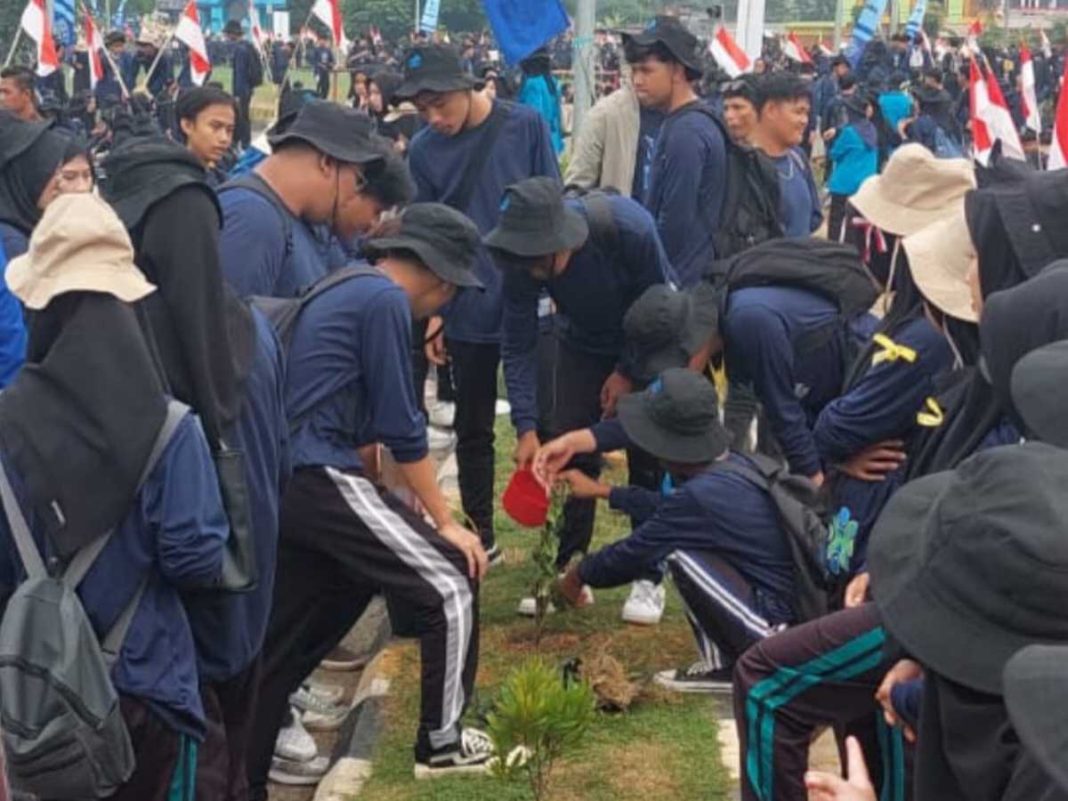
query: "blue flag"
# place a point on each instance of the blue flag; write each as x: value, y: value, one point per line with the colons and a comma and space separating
x: 63, y: 25
x: 429, y: 22
x: 912, y: 27
x: 864, y: 29
x: 522, y: 26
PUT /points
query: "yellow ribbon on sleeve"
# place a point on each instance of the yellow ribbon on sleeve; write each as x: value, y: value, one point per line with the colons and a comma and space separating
x: 891, y: 351
x: 932, y: 416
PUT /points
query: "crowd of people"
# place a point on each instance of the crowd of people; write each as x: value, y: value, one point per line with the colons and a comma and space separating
x: 838, y: 396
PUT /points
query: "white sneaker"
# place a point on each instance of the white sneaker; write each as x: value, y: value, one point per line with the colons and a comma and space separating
x: 470, y: 756
x: 528, y: 607
x: 439, y: 440
x: 298, y: 774
x: 645, y: 606
x: 503, y: 408
x: 294, y: 744
x: 442, y: 414
x: 306, y: 699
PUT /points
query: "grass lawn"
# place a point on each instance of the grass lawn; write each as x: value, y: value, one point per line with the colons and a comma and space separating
x: 664, y: 747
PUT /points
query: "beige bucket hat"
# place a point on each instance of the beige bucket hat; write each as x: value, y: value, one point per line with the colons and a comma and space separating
x: 914, y: 190
x: 78, y: 246
x: 939, y: 257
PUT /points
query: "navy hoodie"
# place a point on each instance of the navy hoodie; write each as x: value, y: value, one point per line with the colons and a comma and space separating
x: 687, y: 184
x: 764, y: 329
x: 175, y: 533
x: 349, y: 380
x: 229, y: 627
x: 438, y: 164
x: 591, y: 296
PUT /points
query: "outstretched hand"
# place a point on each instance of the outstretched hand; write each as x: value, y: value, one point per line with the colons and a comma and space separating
x: 829, y: 787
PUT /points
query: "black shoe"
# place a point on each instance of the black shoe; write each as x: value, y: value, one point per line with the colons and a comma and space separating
x: 471, y: 755
x: 494, y: 554
x: 699, y: 677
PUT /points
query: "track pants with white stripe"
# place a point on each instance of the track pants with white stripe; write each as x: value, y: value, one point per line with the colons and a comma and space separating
x: 790, y: 686
x: 720, y: 606
x: 342, y: 541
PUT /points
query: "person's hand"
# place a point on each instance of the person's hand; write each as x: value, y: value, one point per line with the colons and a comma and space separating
x: 817, y: 480
x: 470, y: 546
x: 829, y: 787
x: 584, y: 487
x: 875, y: 462
x: 551, y: 458
x: 615, y: 386
x: 569, y: 587
x: 526, y: 448
x: 857, y: 590
x: 904, y: 671
x: 829, y: 134
x: 435, y: 348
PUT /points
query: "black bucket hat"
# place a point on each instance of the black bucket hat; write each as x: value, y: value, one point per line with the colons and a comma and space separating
x: 114, y: 37
x: 535, y: 221
x: 444, y: 240
x: 969, y: 566
x: 432, y: 68
x: 233, y: 27
x: 344, y: 134
x: 1036, y: 684
x: 671, y: 33
x: 1038, y: 382
x: 665, y: 327
x: 676, y: 419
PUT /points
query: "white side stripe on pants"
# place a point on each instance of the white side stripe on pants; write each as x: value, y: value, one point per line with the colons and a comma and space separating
x: 412, y: 549
x: 710, y: 584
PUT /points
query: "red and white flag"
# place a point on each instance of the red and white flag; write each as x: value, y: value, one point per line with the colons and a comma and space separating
x: 191, y: 35
x: 824, y: 49
x: 1058, y: 146
x: 1028, y: 97
x: 254, y: 25
x: 376, y: 36
x: 794, y: 50
x: 728, y: 54
x: 95, y: 44
x: 329, y: 13
x: 38, y: 26
x: 991, y: 118
x: 975, y: 30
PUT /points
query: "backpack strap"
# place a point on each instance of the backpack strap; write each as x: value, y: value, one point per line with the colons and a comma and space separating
x: 601, y: 220
x: 254, y: 183
x: 84, y: 559
x: 331, y: 280
x: 20, y: 531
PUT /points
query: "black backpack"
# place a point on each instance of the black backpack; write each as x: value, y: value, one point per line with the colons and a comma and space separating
x: 805, y: 524
x: 255, y: 65
x: 750, y: 212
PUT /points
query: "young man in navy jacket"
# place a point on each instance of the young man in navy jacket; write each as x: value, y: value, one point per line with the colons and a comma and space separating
x: 344, y: 539
x: 595, y: 257
x: 688, y: 175
x: 470, y: 150
x: 718, y: 531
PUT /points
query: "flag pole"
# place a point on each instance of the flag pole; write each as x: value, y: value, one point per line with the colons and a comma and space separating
x: 156, y: 60
x: 14, y: 45
x: 107, y: 55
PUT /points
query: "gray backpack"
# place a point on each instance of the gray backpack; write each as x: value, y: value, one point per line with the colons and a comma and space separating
x: 63, y: 731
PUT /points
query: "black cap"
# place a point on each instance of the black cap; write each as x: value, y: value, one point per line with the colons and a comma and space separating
x: 233, y: 27
x: 535, y: 221
x: 341, y: 133
x: 1038, y: 381
x: 671, y: 33
x: 444, y: 240
x: 930, y: 96
x: 968, y: 566
x: 676, y: 419
x: 114, y: 37
x: 432, y: 68
x: 1036, y: 684
x: 840, y: 60
x: 664, y: 327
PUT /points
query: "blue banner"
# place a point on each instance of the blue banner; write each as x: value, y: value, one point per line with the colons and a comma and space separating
x: 429, y: 21
x: 912, y: 27
x: 522, y: 26
x: 864, y: 29
x: 64, y: 27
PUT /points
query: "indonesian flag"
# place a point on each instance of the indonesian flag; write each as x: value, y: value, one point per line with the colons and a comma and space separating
x: 95, y: 44
x: 991, y: 119
x: 38, y: 26
x: 975, y: 30
x: 190, y: 34
x: 254, y: 25
x: 794, y: 50
x: 824, y: 49
x: 376, y: 36
x: 1058, y: 146
x: 1028, y: 98
x: 728, y: 54
x: 1047, y: 51
x: 329, y: 13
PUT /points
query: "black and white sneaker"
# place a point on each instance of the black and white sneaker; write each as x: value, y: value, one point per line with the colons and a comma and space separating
x: 471, y: 755
x: 495, y: 555
x: 700, y: 677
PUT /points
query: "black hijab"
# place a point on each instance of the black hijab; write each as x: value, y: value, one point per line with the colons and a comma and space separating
x: 81, y: 417
x: 203, y: 332
x: 30, y: 154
